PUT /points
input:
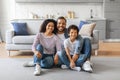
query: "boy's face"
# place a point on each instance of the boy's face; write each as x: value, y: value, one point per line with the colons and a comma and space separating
x: 73, y: 34
x: 61, y: 25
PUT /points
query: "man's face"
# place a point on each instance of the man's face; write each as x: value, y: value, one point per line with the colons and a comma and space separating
x: 61, y: 25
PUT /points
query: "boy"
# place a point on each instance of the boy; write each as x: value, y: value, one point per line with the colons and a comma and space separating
x: 70, y: 57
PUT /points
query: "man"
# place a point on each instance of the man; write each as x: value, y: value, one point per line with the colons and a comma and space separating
x: 62, y: 34
x: 86, y: 48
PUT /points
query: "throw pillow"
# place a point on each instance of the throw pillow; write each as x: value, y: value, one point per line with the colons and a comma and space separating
x: 87, y: 29
x: 82, y: 23
x: 20, y: 28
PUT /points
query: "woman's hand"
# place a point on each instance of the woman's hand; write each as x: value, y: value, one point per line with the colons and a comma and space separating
x: 56, y: 58
x: 38, y: 54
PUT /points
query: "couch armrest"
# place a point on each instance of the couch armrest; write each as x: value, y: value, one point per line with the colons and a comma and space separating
x: 9, y: 36
x: 96, y: 36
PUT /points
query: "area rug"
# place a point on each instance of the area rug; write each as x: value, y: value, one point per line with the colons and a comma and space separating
x: 105, y: 68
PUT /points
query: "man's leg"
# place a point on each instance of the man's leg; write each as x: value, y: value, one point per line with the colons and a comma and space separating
x: 87, y: 52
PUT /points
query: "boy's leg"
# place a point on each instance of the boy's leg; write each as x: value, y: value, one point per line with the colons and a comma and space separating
x: 66, y: 61
x: 63, y: 57
x: 80, y: 61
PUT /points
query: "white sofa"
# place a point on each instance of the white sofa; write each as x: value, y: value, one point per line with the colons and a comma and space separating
x: 18, y: 43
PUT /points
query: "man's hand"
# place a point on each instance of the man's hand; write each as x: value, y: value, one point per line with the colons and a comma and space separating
x: 56, y: 58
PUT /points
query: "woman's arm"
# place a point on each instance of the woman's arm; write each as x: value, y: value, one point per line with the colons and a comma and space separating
x: 35, y: 43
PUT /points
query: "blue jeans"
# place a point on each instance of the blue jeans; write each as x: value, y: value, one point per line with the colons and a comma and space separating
x: 46, y: 61
x: 85, y: 54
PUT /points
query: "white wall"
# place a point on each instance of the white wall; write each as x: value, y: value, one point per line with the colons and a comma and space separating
x: 82, y: 10
x: 7, y: 11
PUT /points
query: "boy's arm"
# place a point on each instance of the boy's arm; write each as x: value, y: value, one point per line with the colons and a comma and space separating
x: 68, y: 54
x: 75, y: 57
x: 67, y: 50
x: 79, y: 45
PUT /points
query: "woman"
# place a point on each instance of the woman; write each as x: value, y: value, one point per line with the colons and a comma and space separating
x: 45, y: 45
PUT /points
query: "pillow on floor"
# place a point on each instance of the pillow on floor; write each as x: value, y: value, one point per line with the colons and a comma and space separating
x: 87, y: 29
x: 20, y: 28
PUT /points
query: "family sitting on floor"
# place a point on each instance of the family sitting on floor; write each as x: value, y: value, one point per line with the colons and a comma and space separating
x: 55, y: 45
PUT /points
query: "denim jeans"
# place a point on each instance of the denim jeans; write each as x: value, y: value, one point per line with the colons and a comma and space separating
x: 85, y: 54
x: 46, y: 61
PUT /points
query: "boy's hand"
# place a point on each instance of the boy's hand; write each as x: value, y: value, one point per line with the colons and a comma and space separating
x: 72, y: 64
x: 56, y: 59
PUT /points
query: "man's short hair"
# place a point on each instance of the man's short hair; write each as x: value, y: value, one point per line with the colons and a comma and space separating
x: 61, y: 17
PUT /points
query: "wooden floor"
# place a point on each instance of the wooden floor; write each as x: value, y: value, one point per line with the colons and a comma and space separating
x: 105, y: 49
x: 109, y: 49
x: 18, y: 54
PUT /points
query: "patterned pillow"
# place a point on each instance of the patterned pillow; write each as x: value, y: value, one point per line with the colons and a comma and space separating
x: 87, y: 29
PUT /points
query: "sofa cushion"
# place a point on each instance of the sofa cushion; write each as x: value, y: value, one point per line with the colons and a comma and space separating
x: 20, y: 28
x: 82, y: 23
x: 87, y: 29
x: 91, y: 38
x: 23, y: 39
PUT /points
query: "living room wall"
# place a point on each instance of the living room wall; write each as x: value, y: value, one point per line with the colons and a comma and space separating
x: 81, y: 10
x: 11, y: 10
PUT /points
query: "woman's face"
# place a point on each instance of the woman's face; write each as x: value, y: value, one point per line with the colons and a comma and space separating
x: 50, y: 27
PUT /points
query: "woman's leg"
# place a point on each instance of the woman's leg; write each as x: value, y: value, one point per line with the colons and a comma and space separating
x: 46, y: 61
x: 36, y: 59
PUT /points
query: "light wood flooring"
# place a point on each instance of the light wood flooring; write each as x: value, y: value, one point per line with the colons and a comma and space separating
x: 105, y: 49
